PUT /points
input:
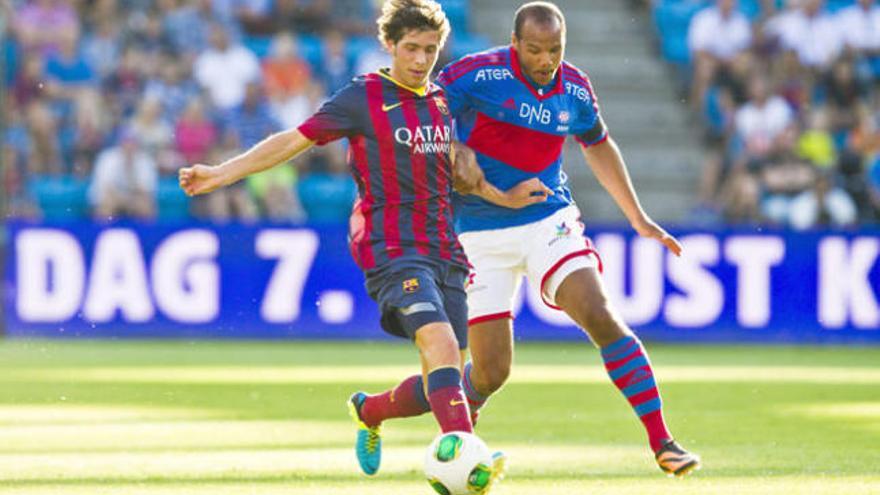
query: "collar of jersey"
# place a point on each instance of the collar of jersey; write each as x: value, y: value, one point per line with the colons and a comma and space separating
x: 422, y: 91
x: 546, y: 88
x: 554, y: 88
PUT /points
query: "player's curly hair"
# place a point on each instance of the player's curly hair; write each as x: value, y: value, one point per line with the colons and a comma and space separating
x: 400, y: 16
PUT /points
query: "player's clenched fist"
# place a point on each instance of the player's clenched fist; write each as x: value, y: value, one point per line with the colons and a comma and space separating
x: 199, y: 179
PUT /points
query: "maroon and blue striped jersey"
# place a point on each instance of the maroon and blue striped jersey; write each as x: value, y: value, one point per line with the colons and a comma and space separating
x: 517, y: 130
x: 400, y: 140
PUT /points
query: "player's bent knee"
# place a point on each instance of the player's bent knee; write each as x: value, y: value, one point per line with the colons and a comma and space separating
x: 489, y: 379
x: 598, y: 321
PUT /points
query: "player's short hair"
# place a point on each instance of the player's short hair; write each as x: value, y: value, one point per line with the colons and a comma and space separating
x: 542, y: 13
x: 400, y: 16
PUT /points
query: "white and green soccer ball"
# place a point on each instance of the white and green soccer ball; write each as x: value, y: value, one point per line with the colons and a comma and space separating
x: 458, y: 463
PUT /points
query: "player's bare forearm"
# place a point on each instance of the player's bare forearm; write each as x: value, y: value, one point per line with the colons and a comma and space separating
x: 468, y: 178
x: 607, y: 164
x: 466, y: 172
x: 275, y: 149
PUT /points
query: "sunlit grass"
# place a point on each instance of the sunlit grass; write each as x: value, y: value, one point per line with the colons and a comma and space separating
x: 239, y: 418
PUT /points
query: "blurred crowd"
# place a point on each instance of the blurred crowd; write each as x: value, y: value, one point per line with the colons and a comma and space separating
x: 788, y: 96
x: 107, y: 99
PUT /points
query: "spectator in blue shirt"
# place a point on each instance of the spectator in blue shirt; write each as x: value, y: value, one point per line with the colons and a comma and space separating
x: 251, y: 121
x: 68, y: 67
x: 335, y: 71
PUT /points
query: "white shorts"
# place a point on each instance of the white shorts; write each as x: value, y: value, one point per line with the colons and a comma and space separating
x: 545, y: 251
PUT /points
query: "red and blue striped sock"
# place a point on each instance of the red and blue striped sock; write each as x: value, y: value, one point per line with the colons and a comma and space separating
x: 628, y: 366
x: 405, y: 400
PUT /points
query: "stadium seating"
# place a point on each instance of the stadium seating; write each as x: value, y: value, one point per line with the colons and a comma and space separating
x: 171, y: 202
x: 326, y: 198
x: 61, y: 198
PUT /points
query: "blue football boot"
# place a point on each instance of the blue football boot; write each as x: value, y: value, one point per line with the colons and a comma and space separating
x: 368, y: 446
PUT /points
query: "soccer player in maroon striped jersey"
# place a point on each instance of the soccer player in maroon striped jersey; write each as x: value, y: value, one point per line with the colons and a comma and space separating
x: 405, y: 164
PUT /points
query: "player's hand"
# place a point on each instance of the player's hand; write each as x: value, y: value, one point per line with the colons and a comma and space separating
x: 527, y: 192
x: 199, y: 179
x: 648, y: 228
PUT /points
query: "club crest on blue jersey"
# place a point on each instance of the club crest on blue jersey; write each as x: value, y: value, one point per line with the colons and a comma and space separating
x: 411, y: 285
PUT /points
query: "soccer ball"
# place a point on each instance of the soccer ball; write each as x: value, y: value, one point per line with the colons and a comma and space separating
x: 458, y: 463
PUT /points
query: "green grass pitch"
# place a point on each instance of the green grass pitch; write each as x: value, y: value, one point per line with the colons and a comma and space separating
x: 268, y: 418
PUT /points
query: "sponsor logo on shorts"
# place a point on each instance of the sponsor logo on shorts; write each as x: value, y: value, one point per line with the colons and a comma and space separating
x: 411, y: 285
x: 562, y: 231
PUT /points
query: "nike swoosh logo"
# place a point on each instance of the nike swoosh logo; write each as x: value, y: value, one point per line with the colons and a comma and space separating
x: 454, y: 402
x: 388, y: 108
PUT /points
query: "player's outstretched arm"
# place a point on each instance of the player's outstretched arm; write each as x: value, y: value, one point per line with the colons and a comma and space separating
x: 607, y: 164
x: 275, y: 149
x: 468, y: 178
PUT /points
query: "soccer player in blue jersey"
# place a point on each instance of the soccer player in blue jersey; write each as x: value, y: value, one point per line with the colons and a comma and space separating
x: 402, y: 234
x: 515, y: 106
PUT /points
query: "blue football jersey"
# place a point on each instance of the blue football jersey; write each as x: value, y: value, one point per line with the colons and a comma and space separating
x: 517, y: 130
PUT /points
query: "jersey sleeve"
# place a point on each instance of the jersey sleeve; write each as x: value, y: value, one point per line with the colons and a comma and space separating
x: 456, y: 86
x: 588, y: 127
x: 337, y: 117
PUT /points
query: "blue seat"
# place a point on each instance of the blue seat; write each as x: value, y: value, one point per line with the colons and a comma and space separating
x: 835, y: 5
x: 172, y: 204
x: 326, y: 198
x: 11, y: 56
x: 675, y: 49
x: 751, y: 8
x: 311, y: 48
x: 672, y: 19
x: 457, y: 13
x: 357, y: 45
x: 61, y: 198
x: 259, y: 45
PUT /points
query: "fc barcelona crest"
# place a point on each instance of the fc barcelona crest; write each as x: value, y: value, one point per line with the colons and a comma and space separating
x: 441, y: 105
x: 411, y: 285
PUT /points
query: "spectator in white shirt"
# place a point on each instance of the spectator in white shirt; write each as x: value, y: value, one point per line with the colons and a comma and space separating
x: 717, y: 37
x: 124, y: 181
x: 860, y: 27
x: 225, y: 70
x: 809, y: 33
x: 762, y: 123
